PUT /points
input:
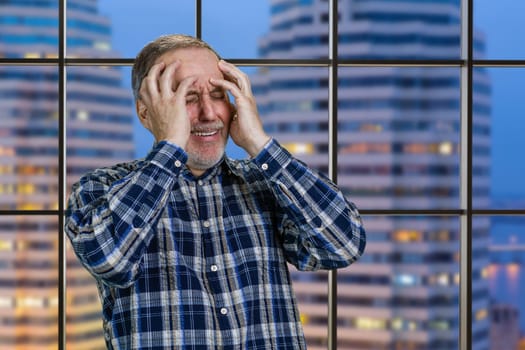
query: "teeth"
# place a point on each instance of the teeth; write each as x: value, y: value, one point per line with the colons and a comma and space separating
x: 209, y: 133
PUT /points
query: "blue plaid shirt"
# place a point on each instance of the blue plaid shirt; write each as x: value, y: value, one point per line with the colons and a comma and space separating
x: 201, y: 263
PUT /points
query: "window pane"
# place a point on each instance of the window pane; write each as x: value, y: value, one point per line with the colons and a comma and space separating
x: 398, y: 137
x: 399, y: 29
x: 83, y: 310
x: 506, y: 279
x: 28, y: 137
x: 500, y: 23
x: 99, y: 119
x: 234, y: 27
x: 293, y: 103
x: 311, y: 291
x: 29, y: 29
x: 28, y: 282
x: 403, y: 293
x: 498, y: 137
x: 267, y: 29
x: 110, y: 28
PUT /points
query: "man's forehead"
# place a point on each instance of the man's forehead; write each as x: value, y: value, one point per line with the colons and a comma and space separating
x: 189, y: 55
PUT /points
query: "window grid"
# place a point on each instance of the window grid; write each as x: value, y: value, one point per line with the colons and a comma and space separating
x: 466, y: 213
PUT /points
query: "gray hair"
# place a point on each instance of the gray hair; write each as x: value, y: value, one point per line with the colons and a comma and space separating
x: 153, y: 50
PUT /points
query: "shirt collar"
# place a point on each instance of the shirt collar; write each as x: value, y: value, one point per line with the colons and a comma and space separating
x: 225, y: 165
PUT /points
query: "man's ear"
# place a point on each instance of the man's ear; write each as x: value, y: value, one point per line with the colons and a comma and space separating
x: 142, y: 112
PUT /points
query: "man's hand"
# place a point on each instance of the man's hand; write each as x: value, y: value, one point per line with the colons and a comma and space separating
x: 162, y: 107
x: 246, y: 128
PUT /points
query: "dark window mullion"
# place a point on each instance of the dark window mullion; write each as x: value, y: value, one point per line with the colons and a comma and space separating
x: 61, y: 173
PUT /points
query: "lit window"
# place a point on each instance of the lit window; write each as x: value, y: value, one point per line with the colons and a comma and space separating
x: 370, y: 323
x: 406, y: 280
x: 6, y: 246
x: 408, y: 236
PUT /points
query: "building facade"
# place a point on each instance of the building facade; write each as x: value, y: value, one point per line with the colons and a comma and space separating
x: 99, y: 132
x: 398, y: 132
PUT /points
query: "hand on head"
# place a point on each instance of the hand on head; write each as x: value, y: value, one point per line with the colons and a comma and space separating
x: 161, y: 108
x: 246, y: 129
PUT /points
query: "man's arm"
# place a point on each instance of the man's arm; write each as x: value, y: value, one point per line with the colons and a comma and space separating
x: 110, y: 218
x: 320, y: 228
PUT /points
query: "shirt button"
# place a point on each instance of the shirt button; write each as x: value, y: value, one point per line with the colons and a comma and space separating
x: 264, y: 166
x: 178, y: 163
x: 199, y: 182
x: 206, y: 224
x: 224, y: 310
x: 214, y: 268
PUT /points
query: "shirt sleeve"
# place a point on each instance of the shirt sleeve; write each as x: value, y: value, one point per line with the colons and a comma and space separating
x: 320, y: 228
x: 111, y: 213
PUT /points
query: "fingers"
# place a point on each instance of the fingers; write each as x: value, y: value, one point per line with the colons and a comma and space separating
x: 236, y: 76
x: 149, y: 84
x: 183, y: 88
x: 159, y: 80
x: 166, y: 78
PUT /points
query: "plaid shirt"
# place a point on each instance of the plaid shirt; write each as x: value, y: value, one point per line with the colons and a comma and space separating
x: 200, y: 263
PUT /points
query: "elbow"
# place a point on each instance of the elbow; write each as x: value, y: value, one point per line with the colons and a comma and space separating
x: 113, y: 276
x: 111, y: 270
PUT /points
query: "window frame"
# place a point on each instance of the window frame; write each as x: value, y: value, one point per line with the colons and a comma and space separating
x: 466, y: 211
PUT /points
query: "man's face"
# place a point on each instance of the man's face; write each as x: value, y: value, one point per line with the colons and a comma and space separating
x: 207, y: 106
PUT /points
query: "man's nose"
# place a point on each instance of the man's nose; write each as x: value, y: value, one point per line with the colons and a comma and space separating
x: 207, y: 111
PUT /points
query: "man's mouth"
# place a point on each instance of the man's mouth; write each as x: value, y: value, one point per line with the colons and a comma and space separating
x: 205, y: 133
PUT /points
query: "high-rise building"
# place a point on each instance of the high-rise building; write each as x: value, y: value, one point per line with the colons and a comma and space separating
x: 399, y: 142
x: 99, y: 132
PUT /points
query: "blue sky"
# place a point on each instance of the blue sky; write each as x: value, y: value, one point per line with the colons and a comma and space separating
x: 234, y: 26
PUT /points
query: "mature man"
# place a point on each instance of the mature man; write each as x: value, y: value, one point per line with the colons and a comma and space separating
x: 189, y: 247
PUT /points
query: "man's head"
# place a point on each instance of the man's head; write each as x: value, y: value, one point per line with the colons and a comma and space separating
x: 153, y: 50
x: 207, y: 106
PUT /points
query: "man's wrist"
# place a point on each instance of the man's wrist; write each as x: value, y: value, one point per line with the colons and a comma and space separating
x: 257, y: 146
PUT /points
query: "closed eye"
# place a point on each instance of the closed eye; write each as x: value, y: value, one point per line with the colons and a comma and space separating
x: 192, y: 98
x: 218, y: 94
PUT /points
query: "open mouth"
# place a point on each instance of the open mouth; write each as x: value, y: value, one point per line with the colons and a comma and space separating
x: 205, y: 133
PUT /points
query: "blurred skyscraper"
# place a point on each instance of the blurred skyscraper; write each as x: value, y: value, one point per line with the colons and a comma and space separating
x: 99, y: 132
x: 398, y: 148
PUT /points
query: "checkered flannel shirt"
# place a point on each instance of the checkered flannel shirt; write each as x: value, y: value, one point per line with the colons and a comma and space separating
x: 201, y: 263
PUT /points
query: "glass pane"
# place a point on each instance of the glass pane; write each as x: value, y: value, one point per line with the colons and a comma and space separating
x: 498, y: 138
x: 404, y: 291
x: 83, y: 310
x: 100, y: 132
x: 28, y: 138
x: 293, y: 104
x: 267, y: 29
x: 100, y: 117
x: 506, y: 278
x: 29, y: 29
x: 398, y: 137
x: 399, y: 29
x: 234, y: 27
x: 500, y: 24
x: 311, y: 291
x: 28, y: 282
x: 109, y: 28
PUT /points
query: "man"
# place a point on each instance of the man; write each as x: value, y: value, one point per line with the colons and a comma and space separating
x: 189, y: 247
